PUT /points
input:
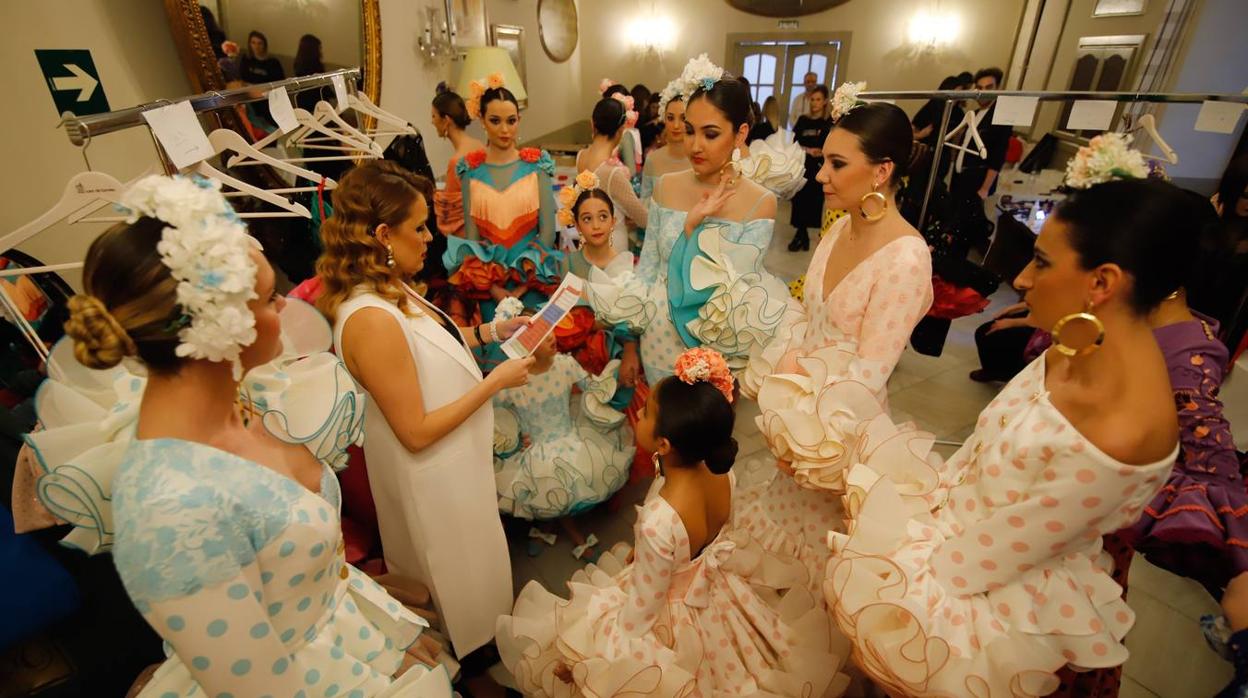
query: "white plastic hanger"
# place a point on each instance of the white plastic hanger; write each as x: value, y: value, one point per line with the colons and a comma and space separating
x: 970, y: 122
x: 324, y: 115
x: 309, y: 123
x: 364, y: 105
x: 1148, y: 125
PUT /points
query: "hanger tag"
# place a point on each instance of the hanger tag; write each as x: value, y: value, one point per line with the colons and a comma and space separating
x: 1091, y: 114
x: 282, y: 111
x: 340, y: 91
x: 1014, y: 111
x: 180, y: 134
x: 1218, y: 117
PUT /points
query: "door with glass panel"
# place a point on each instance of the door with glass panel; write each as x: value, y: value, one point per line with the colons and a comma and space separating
x: 777, y: 68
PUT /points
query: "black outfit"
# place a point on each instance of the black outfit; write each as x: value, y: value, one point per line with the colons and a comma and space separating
x: 760, y: 131
x: 973, y: 226
x: 255, y: 71
x: 1001, y: 353
x: 929, y: 115
x: 809, y: 132
x: 1238, y: 687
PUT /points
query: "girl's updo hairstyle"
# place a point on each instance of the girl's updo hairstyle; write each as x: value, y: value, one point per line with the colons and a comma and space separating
x: 608, y: 116
x: 731, y: 97
x: 130, y: 305
x: 884, y: 134
x: 594, y: 193
x: 697, y: 420
x: 1148, y: 227
x: 451, y: 105
x: 495, y: 94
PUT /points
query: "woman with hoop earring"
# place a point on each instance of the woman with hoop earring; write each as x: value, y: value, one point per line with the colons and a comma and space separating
x: 868, y: 284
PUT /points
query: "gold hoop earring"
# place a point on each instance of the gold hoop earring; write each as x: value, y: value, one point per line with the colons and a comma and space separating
x: 862, y: 205
x: 1085, y: 316
x: 657, y: 462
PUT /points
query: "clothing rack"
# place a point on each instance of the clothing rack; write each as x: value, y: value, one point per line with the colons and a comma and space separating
x: 81, y: 129
x: 952, y: 96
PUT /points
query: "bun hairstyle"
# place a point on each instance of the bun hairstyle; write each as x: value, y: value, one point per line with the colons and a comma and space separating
x: 450, y: 104
x: 608, y: 117
x: 884, y: 134
x: 495, y: 94
x: 130, y: 306
x: 731, y: 97
x: 615, y: 90
x: 592, y: 193
x: 697, y: 420
x: 1147, y: 227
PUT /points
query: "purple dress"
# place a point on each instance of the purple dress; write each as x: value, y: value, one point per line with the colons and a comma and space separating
x: 1197, y: 526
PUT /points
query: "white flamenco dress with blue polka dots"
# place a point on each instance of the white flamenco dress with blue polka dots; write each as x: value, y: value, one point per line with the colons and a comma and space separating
x: 239, y: 568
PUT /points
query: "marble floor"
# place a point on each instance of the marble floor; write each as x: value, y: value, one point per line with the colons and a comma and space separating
x: 1169, y: 658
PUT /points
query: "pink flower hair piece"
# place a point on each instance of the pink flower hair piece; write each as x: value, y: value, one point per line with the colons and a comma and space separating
x: 702, y: 365
x: 605, y: 84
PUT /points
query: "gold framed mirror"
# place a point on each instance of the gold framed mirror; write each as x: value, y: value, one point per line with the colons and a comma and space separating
x: 347, y: 34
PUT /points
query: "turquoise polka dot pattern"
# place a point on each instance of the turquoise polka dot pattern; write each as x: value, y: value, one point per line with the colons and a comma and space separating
x: 279, y: 666
x: 296, y: 580
x: 357, y: 669
x: 304, y: 603
x: 237, y: 592
x: 357, y: 693
x: 312, y: 677
x: 365, y: 633
x: 287, y: 549
x: 275, y: 608
x: 324, y: 513
x: 217, y: 628
x: 259, y: 630
x: 316, y: 550
x: 331, y: 690
x: 266, y: 577
x: 169, y: 694
x: 288, y: 635
x: 176, y: 622
x: 241, y: 667
x: 303, y: 516
x: 201, y: 663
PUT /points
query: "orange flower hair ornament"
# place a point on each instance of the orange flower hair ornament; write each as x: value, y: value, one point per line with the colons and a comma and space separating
x: 568, y: 195
x: 476, y: 88
x: 702, y: 365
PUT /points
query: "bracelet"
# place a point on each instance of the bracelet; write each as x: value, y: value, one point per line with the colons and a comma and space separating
x: 494, y: 331
x: 476, y: 331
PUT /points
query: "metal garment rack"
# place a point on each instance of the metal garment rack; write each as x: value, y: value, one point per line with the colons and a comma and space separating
x: 952, y: 96
x: 81, y: 129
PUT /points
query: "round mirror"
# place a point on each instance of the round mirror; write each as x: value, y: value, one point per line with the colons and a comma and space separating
x: 556, y: 24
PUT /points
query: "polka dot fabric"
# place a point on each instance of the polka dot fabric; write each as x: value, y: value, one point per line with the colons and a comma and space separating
x: 985, y: 574
x: 671, y: 624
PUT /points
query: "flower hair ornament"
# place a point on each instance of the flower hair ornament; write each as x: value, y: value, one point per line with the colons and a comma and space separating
x: 630, y: 116
x: 570, y: 193
x: 702, y: 365
x: 845, y: 99
x: 476, y: 89
x: 672, y: 91
x: 207, y: 250
x: 1105, y: 157
x: 699, y: 73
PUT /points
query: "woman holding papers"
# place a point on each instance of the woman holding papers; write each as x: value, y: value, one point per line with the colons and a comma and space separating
x: 428, y: 415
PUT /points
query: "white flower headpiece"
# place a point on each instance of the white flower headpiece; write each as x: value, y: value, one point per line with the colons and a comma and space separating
x: 672, y: 91
x: 508, y: 308
x: 568, y: 195
x: 1105, y: 157
x: 699, y: 73
x: 846, y: 98
x: 206, y: 248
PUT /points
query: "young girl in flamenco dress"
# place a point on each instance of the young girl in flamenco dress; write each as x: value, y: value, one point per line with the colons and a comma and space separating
x: 697, y: 608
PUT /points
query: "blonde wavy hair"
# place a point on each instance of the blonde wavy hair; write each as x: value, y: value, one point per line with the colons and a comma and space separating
x: 130, y: 306
x: 374, y: 193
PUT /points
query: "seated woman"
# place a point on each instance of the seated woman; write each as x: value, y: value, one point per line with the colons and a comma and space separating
x: 985, y: 573
x: 216, y: 492
x: 697, y: 608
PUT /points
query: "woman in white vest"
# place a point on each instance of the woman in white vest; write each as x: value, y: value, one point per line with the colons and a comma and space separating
x: 428, y: 421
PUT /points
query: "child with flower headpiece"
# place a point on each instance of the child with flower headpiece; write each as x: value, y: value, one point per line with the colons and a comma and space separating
x: 609, y: 120
x: 508, y: 245
x: 697, y: 607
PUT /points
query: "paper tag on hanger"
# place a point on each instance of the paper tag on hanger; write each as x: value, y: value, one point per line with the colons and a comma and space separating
x: 1218, y: 117
x: 340, y: 91
x: 282, y: 111
x: 1015, y: 111
x: 1091, y: 114
x: 180, y: 134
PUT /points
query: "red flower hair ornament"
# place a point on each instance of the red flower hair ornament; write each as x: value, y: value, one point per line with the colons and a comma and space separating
x: 702, y: 365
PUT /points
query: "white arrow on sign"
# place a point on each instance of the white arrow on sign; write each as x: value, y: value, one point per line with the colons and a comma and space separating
x: 81, y: 81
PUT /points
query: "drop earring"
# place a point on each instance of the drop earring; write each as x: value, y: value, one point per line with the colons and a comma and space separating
x: 657, y: 462
x: 389, y: 256
x: 862, y: 204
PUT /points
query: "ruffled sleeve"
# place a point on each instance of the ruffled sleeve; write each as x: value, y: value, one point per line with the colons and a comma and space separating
x: 620, y: 298
x: 899, y: 298
x: 448, y: 204
x: 597, y: 394
x: 620, y: 189
x: 654, y: 561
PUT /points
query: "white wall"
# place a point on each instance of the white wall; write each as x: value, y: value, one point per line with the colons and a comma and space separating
x: 1214, y: 59
x: 137, y: 62
x: 335, y: 22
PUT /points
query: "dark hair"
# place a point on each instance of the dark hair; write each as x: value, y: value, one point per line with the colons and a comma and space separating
x: 495, y: 94
x: 216, y: 37
x: 965, y: 78
x: 697, y: 420
x: 451, y: 105
x: 730, y: 96
x: 949, y: 83
x: 1231, y: 188
x: 994, y: 73
x: 608, y: 116
x: 130, y: 305
x: 821, y: 89
x: 1144, y: 226
x: 255, y: 34
x: 615, y: 90
x: 308, y: 57
x: 588, y: 194
x: 884, y: 134
x: 641, y: 95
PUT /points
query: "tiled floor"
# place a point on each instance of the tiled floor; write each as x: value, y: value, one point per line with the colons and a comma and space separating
x: 1169, y: 658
